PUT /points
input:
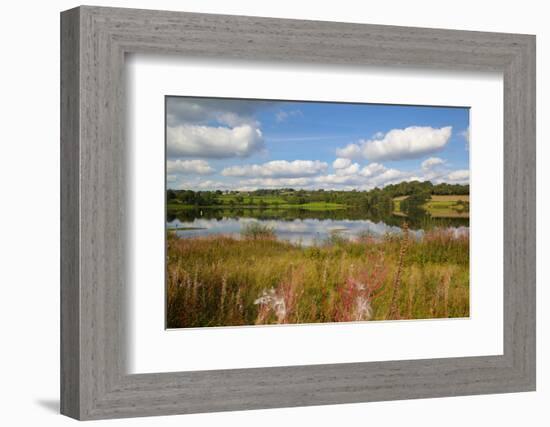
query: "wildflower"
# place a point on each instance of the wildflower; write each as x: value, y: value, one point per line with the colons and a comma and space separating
x: 271, y: 300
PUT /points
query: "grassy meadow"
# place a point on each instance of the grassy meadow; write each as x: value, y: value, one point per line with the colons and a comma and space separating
x: 441, y: 206
x: 311, y: 206
x: 256, y: 279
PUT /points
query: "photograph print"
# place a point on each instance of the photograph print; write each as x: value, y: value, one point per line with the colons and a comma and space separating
x: 293, y: 212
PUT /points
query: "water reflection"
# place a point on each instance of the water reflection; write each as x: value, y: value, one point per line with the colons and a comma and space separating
x: 418, y: 219
x: 306, y: 232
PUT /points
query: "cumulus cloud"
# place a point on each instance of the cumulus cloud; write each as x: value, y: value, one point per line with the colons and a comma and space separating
x: 346, y: 176
x: 432, y: 163
x: 198, y: 182
x: 411, y: 142
x: 389, y: 176
x: 341, y: 163
x: 372, y: 169
x: 370, y: 176
x: 350, y: 151
x: 334, y: 179
x: 345, y: 167
x: 461, y: 176
x: 278, y: 168
x: 254, y: 183
x: 350, y: 170
x: 213, y: 185
x: 213, y: 128
x: 199, y: 167
x: 213, y: 142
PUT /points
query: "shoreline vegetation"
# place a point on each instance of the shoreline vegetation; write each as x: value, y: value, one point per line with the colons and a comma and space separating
x: 403, y: 199
x: 223, y: 281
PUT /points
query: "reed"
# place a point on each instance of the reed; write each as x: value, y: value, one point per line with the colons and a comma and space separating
x: 223, y: 281
x: 394, y: 308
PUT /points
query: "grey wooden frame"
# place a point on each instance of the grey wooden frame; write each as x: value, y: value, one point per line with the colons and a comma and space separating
x: 94, y: 41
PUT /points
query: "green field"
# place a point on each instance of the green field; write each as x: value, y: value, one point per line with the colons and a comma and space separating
x: 449, y: 206
x: 224, y: 281
x: 226, y: 199
x: 315, y: 206
x: 440, y: 206
x: 272, y: 204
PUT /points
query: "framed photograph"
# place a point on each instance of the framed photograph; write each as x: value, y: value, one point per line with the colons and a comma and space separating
x: 262, y: 213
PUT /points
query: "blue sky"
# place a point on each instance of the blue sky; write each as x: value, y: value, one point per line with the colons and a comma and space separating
x: 247, y: 144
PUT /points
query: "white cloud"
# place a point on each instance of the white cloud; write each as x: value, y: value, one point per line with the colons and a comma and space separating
x: 370, y: 176
x: 350, y: 151
x: 338, y: 179
x: 437, y: 172
x: 431, y: 163
x: 407, y: 143
x: 466, y: 135
x: 213, y: 128
x: 213, y: 142
x: 341, y: 163
x: 411, y: 142
x: 347, y: 176
x: 232, y: 119
x: 199, y: 167
x: 350, y: 170
x: 214, y: 185
x: 389, y: 176
x: 195, y: 182
x: 278, y: 169
x: 345, y: 167
x: 254, y: 183
x: 372, y: 169
x: 201, y: 111
x: 461, y: 176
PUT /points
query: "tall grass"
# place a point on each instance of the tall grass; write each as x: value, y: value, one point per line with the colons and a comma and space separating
x: 256, y: 230
x: 223, y: 281
x: 394, y: 309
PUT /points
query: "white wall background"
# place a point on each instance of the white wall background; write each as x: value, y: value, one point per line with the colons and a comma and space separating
x: 29, y: 212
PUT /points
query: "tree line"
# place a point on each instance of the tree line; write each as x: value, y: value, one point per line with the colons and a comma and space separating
x: 376, y: 199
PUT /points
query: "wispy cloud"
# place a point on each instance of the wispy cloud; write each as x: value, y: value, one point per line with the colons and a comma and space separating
x: 278, y: 168
x: 198, y: 167
x: 284, y: 115
x: 466, y: 135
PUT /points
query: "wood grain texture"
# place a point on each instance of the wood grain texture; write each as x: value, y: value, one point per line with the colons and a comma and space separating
x: 70, y: 262
x: 94, y: 241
